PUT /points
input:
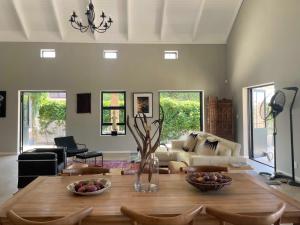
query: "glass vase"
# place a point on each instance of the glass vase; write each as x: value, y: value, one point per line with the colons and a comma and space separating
x: 147, y: 176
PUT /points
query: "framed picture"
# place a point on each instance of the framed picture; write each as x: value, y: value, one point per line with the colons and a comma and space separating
x: 2, y: 103
x: 143, y: 103
x: 84, y: 103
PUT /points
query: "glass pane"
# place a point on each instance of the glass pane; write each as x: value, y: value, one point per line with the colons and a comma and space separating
x: 182, y: 114
x: 44, y: 118
x: 106, y: 129
x: 262, y: 146
x: 113, y: 99
x: 111, y: 116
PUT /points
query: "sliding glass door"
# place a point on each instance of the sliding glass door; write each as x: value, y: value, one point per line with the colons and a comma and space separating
x: 42, y: 118
x: 261, y: 130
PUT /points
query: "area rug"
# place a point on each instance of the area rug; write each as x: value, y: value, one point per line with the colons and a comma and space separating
x: 110, y: 164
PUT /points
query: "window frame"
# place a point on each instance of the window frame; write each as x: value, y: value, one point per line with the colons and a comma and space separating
x: 201, y: 95
x: 112, y: 108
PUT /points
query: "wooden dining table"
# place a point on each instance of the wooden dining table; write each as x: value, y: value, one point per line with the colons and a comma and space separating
x: 47, y: 198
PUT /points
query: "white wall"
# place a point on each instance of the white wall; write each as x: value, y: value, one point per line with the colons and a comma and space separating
x: 80, y: 68
x: 264, y: 47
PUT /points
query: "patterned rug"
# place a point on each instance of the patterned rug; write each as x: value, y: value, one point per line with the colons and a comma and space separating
x: 110, y: 164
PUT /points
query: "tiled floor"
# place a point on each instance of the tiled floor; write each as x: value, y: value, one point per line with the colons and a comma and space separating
x: 8, y: 177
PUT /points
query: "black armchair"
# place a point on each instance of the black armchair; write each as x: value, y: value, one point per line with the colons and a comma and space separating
x: 40, y: 162
x: 70, y: 145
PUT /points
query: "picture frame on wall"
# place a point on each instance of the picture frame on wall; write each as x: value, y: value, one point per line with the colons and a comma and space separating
x: 143, y: 103
x: 2, y: 103
x: 84, y: 103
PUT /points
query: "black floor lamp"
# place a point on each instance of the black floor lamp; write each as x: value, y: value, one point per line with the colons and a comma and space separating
x: 292, y: 182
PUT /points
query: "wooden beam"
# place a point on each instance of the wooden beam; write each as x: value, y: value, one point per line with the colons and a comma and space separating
x: 163, y: 18
x: 21, y: 17
x: 129, y: 15
x: 57, y: 18
x: 198, y: 19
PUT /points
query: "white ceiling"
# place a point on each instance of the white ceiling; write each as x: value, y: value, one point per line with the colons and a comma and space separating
x: 135, y: 21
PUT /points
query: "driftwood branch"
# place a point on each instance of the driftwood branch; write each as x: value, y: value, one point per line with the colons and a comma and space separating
x: 147, y: 140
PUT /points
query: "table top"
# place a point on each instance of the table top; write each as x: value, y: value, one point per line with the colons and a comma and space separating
x: 48, y: 197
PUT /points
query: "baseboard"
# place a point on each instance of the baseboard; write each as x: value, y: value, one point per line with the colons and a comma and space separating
x: 7, y: 153
x: 288, y: 174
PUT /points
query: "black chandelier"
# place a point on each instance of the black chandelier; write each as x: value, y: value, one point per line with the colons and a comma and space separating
x: 76, y: 22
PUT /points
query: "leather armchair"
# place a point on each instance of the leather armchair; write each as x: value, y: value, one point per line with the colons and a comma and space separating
x: 40, y: 162
x: 70, y: 145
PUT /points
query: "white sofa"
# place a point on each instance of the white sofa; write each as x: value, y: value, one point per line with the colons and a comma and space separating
x: 196, y: 158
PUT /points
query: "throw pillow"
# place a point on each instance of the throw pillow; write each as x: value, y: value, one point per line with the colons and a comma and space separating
x: 190, y: 143
x: 211, y: 144
x: 200, y: 142
x: 223, y: 150
x: 207, y: 148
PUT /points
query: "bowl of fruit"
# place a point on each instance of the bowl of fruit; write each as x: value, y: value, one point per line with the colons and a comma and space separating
x: 208, y: 181
x: 89, y: 187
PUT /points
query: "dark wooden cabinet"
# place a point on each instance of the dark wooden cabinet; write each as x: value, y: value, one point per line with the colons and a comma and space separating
x: 220, y: 117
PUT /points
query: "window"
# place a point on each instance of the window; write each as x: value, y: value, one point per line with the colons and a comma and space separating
x: 183, y: 113
x: 113, y: 113
x: 110, y: 54
x: 171, y: 55
x: 48, y: 53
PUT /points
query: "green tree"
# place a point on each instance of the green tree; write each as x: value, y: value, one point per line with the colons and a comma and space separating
x: 181, y: 116
x: 51, y: 111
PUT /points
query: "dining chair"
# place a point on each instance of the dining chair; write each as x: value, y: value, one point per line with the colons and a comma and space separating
x: 133, y: 172
x: 142, y: 219
x: 205, y: 169
x: 85, y: 171
x: 238, y: 219
x: 72, y: 219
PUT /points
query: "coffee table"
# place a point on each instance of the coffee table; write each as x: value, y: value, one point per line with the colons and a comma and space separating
x: 90, y: 154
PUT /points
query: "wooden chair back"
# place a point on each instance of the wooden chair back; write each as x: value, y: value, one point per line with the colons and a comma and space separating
x: 133, y: 172
x: 72, y: 219
x: 85, y: 171
x: 142, y: 219
x: 206, y: 169
x: 237, y: 219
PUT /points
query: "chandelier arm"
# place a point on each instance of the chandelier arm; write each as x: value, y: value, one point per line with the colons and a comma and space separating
x: 84, y: 29
x: 77, y: 28
x: 101, y: 22
x: 78, y: 24
x: 100, y: 30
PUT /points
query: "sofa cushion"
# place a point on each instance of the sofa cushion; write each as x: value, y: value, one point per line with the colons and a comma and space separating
x: 200, y: 160
x: 223, y: 150
x: 190, y: 143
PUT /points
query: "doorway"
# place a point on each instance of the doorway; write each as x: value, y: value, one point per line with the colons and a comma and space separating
x: 42, y: 118
x: 261, y: 140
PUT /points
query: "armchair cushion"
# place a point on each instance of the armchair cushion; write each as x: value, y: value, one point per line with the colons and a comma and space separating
x: 69, y: 143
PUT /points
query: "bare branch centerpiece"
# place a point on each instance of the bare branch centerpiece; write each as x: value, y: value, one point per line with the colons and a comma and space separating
x: 147, y: 137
